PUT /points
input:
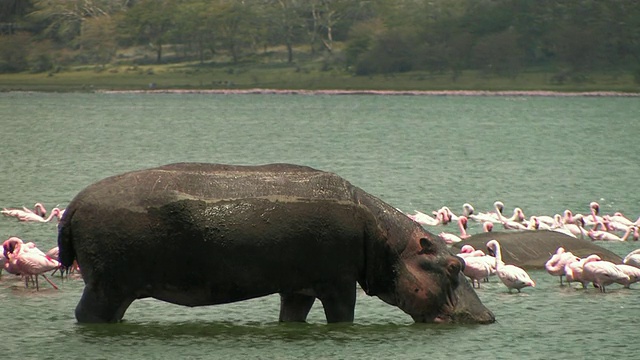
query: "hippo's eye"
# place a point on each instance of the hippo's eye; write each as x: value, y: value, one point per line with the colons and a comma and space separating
x: 427, y: 247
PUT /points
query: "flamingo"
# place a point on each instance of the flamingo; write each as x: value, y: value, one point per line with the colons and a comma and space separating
x: 612, y: 225
x: 38, y: 209
x: 574, y: 270
x: 468, y: 210
x: 424, y: 219
x: 512, y: 277
x: 28, y: 261
x: 576, y: 226
x: 449, y: 214
x: 601, y: 235
x: 469, y: 251
x: 493, y: 217
x: 535, y: 224
x: 632, y: 272
x: 594, y: 216
x: 632, y: 258
x: 515, y: 222
x: 560, y: 226
x: 546, y: 220
x: 619, y: 218
x: 556, y: 264
x: 568, y: 217
x: 476, y: 268
x: 11, y: 212
x: 450, y: 238
x: 29, y: 216
x: 604, y: 273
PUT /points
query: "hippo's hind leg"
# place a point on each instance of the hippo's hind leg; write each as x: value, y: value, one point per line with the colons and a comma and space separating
x: 295, y: 307
x: 100, y: 306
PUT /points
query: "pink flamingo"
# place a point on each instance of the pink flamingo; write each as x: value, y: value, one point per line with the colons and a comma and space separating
x: 512, y: 277
x: 29, y: 262
x: 611, y: 225
x: 38, y: 209
x: 632, y: 258
x: 632, y: 272
x: 604, y: 273
x: 574, y: 271
x: 556, y: 264
x: 450, y: 238
x: 29, y: 216
x: 535, y: 224
x: 594, y: 215
x: 487, y: 226
x: 619, y: 218
x: 469, y: 251
x: 602, y: 235
x: 476, y: 268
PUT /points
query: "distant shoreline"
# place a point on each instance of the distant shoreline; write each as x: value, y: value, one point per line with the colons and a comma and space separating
x: 543, y: 93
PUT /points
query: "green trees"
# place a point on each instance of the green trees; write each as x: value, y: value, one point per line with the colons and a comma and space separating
x: 495, y: 37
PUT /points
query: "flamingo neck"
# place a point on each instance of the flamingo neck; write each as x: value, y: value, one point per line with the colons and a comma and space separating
x: 498, y: 254
x: 54, y: 212
x: 463, y: 231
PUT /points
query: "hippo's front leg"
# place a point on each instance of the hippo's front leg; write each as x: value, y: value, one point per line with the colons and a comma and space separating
x: 338, y: 299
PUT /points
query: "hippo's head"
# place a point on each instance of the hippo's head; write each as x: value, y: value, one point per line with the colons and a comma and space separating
x: 430, y: 287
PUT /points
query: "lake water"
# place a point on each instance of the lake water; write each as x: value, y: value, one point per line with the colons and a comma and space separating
x: 543, y: 154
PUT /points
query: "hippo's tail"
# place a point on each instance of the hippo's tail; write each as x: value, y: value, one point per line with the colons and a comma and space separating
x: 65, y: 241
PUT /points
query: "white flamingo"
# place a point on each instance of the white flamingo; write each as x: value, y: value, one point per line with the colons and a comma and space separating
x: 512, y: 277
x: 38, y: 209
x: 556, y: 264
x: 574, y: 271
x: 493, y: 217
x: 632, y: 272
x: 424, y: 219
x: 619, y: 218
x: 632, y: 258
x: 560, y: 226
x: 601, y: 235
x: 604, y: 273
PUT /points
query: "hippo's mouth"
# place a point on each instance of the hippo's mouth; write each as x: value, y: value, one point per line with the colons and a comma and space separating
x: 446, y: 313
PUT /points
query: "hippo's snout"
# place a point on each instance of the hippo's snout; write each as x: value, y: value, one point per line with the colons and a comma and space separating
x: 469, y: 309
x: 466, y: 317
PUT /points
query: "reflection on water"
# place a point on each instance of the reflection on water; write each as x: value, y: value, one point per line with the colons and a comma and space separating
x: 544, y: 155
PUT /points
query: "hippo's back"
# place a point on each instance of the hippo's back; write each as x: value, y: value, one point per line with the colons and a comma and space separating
x: 212, y: 182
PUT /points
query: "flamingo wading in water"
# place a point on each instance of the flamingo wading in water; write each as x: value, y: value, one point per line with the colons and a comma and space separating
x: 512, y: 277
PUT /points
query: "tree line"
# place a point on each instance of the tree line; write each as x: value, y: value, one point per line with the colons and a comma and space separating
x: 502, y: 37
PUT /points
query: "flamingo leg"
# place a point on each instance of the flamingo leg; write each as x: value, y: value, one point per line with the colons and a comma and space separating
x: 50, y: 282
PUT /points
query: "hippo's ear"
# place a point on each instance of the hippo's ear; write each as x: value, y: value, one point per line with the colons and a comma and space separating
x: 427, y: 246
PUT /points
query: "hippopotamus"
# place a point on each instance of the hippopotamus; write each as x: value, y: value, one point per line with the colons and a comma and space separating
x: 200, y: 234
x: 530, y: 249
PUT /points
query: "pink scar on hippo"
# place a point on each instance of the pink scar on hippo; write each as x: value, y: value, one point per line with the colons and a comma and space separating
x: 200, y: 234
